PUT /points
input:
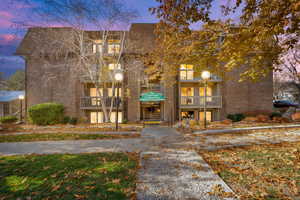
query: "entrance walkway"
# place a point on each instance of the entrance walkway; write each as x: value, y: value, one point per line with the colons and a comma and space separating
x: 170, y: 173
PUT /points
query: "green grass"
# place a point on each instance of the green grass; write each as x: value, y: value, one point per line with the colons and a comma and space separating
x: 60, y: 136
x: 66, y: 176
x: 260, y: 171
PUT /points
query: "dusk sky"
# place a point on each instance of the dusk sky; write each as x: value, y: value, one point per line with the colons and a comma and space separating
x: 9, y: 40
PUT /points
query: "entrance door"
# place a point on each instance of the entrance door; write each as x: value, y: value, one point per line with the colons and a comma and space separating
x: 151, y: 111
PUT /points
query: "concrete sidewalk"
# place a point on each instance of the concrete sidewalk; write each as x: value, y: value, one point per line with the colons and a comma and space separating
x: 77, y: 146
x: 170, y: 173
x: 231, y: 130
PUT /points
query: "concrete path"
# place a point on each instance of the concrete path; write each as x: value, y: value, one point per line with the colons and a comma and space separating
x: 168, y: 173
x: 232, y: 130
x: 78, y: 146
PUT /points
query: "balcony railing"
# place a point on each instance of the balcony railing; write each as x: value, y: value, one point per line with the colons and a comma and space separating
x: 95, y: 102
x: 193, y: 101
x: 214, y: 78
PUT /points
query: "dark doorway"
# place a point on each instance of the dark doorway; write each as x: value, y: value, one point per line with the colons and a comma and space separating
x: 151, y: 111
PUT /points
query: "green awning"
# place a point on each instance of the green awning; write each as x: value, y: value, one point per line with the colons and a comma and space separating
x: 152, y: 96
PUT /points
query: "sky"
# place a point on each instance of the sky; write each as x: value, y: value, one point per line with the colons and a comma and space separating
x: 10, y: 35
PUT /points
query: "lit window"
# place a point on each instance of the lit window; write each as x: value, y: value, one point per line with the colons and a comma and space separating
x: 188, y: 115
x: 110, y: 92
x: 186, y: 72
x: 208, y: 94
x: 95, y: 101
x: 97, y: 46
x: 114, y: 46
x: 187, y: 95
x: 94, y: 92
x: 113, y: 66
x: 113, y: 117
x: 208, y: 116
x: 96, y: 117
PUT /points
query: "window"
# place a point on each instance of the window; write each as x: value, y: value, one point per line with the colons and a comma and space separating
x: 95, y: 101
x: 113, y: 117
x: 208, y: 93
x: 97, y: 117
x: 113, y: 66
x: 208, y: 116
x: 110, y: 92
x: 186, y: 72
x: 97, y: 46
x: 188, y: 115
x: 114, y: 46
x: 5, y: 109
x: 94, y: 92
x: 187, y: 95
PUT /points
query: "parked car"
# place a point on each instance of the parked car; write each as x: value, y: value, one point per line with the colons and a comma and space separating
x: 284, y: 104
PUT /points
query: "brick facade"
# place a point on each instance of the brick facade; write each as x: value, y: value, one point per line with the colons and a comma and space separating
x: 53, y: 81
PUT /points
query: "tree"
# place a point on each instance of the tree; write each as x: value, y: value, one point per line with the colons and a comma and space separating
x: 288, y: 67
x: 16, y: 81
x: 226, y: 44
x: 81, y: 49
x: 2, y: 81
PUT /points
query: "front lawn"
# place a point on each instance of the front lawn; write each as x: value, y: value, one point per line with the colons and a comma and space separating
x: 67, y: 176
x: 62, y: 136
x: 261, y: 171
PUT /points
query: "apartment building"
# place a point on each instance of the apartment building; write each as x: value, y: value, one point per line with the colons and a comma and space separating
x: 140, y: 98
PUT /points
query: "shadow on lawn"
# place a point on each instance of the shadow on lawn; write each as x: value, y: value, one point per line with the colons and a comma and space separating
x: 67, y: 176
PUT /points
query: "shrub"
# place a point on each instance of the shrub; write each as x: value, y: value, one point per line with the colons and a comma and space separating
x: 66, y: 120
x: 46, y: 113
x: 236, y: 117
x: 8, y: 119
x: 73, y: 121
x: 275, y: 114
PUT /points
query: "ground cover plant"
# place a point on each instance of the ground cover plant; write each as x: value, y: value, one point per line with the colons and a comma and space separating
x: 270, y: 172
x: 62, y: 136
x: 65, y: 176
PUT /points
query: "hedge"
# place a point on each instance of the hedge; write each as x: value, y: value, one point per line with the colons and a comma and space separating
x: 236, y: 117
x: 46, y: 113
x: 8, y: 119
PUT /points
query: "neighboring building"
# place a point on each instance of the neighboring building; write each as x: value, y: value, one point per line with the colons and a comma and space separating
x: 286, y: 91
x: 9, y: 102
x: 154, y: 100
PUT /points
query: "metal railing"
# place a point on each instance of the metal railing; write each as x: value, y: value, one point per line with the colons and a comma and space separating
x: 95, y: 102
x: 211, y: 101
x: 214, y: 78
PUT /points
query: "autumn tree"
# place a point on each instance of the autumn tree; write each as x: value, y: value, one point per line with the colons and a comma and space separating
x: 223, y: 45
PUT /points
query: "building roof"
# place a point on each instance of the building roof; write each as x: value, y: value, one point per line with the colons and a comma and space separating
x: 6, y: 96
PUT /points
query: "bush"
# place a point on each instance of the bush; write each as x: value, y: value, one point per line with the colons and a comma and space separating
x: 66, y: 120
x: 73, y: 121
x: 8, y: 119
x: 236, y: 117
x: 46, y: 113
x: 275, y: 114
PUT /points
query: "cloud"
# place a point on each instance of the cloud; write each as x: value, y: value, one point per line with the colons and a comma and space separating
x: 6, y: 19
x: 6, y: 15
x: 6, y: 39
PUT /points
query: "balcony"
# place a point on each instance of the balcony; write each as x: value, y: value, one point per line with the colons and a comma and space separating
x: 95, y: 102
x: 189, y: 79
x: 198, y: 102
